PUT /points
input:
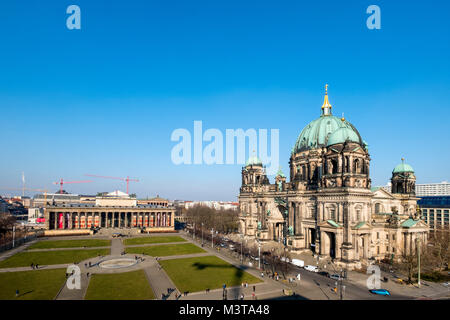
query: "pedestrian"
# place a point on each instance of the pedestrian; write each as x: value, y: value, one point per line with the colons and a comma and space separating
x: 207, y: 290
x: 253, y: 296
x: 17, y: 293
x: 37, y: 266
x: 32, y: 265
x: 242, y: 296
x: 254, y: 288
x: 85, y: 265
x: 87, y: 274
x: 262, y: 274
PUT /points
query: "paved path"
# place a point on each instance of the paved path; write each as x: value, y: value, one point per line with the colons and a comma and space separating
x: 159, y: 281
x: 65, y: 249
x: 154, y: 244
x: 116, y: 247
x: 6, y: 254
x: 45, y: 267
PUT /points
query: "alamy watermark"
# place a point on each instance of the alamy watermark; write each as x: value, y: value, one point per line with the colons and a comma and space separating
x: 74, y: 278
x: 191, y: 148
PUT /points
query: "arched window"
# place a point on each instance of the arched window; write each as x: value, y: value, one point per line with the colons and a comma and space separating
x: 377, y: 207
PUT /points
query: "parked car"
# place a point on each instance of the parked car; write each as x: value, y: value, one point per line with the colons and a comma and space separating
x: 298, y: 263
x: 312, y: 268
x: 324, y: 273
x: 335, y: 277
x: 381, y: 292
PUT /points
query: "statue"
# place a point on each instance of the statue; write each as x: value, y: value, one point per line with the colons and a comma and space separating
x: 291, y: 230
x: 259, y: 225
x: 280, y: 186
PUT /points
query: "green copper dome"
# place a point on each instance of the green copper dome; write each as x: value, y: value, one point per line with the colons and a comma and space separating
x: 320, y: 133
x: 343, y: 134
x: 403, y: 167
x: 254, y: 160
x: 327, y: 130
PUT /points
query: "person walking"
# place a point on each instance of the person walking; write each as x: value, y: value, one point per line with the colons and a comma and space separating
x: 17, y: 293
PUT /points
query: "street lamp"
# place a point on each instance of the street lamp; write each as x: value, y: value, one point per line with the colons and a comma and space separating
x: 202, y: 233
x: 212, y: 238
x: 259, y: 255
x: 418, y: 260
x: 242, y: 240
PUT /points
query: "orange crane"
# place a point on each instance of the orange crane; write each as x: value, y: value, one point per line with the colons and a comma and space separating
x: 127, y: 179
x: 61, y: 182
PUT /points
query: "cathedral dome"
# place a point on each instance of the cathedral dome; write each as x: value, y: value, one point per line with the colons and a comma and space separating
x: 326, y: 130
x: 403, y: 167
x: 343, y: 134
x: 254, y: 161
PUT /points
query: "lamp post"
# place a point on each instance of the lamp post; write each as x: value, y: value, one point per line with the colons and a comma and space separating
x: 193, y: 232
x: 14, y: 235
x: 242, y: 240
x: 259, y: 255
x: 202, y: 233
x: 418, y: 260
x: 212, y: 238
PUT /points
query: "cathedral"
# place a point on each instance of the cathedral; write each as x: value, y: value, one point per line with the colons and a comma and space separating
x: 328, y: 205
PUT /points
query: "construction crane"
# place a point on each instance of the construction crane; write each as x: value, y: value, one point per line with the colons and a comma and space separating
x: 127, y: 179
x: 61, y: 182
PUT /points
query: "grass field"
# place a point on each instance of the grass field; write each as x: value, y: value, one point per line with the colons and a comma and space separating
x: 32, y: 285
x: 155, y: 239
x: 198, y: 274
x: 166, y: 249
x: 49, y: 244
x: 119, y: 286
x: 25, y: 258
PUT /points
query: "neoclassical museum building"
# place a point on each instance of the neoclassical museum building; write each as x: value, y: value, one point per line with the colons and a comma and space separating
x: 328, y: 205
x: 114, y: 210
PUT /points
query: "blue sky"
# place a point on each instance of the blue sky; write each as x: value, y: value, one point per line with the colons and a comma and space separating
x: 105, y: 99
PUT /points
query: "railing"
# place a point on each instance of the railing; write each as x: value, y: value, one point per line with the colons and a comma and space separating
x: 18, y: 242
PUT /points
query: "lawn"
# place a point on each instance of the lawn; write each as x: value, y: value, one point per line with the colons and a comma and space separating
x: 155, y: 239
x: 198, y: 274
x: 166, y: 249
x: 49, y: 244
x: 25, y: 258
x: 32, y: 285
x: 119, y: 286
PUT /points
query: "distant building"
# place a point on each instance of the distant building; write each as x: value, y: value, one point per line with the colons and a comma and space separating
x: 39, y: 200
x: 36, y: 215
x: 433, y: 189
x: 111, y: 210
x: 435, y: 211
x: 157, y: 201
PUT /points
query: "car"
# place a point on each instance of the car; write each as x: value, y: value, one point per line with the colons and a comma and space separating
x: 312, y: 268
x: 335, y: 277
x: 381, y: 292
x: 324, y: 273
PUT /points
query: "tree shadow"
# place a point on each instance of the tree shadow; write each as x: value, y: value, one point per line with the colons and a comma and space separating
x: 235, y: 291
x: 25, y: 293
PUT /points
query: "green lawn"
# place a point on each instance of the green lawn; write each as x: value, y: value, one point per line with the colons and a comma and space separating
x: 154, y: 239
x: 166, y: 249
x: 119, y: 286
x: 25, y: 258
x: 48, y: 244
x: 32, y: 285
x: 198, y: 274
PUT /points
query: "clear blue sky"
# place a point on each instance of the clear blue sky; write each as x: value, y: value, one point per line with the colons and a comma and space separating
x: 105, y: 99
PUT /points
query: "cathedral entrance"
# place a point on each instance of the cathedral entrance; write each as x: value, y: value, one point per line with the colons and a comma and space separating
x: 312, y: 237
x: 328, y: 244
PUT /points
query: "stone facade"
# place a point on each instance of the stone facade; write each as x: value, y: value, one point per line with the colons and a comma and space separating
x: 328, y: 206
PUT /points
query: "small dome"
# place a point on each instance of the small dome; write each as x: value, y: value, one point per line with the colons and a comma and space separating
x: 343, y: 134
x: 403, y: 167
x: 254, y: 161
x: 318, y: 133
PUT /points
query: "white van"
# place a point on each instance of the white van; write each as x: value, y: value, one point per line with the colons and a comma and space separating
x: 312, y: 268
x: 298, y: 263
